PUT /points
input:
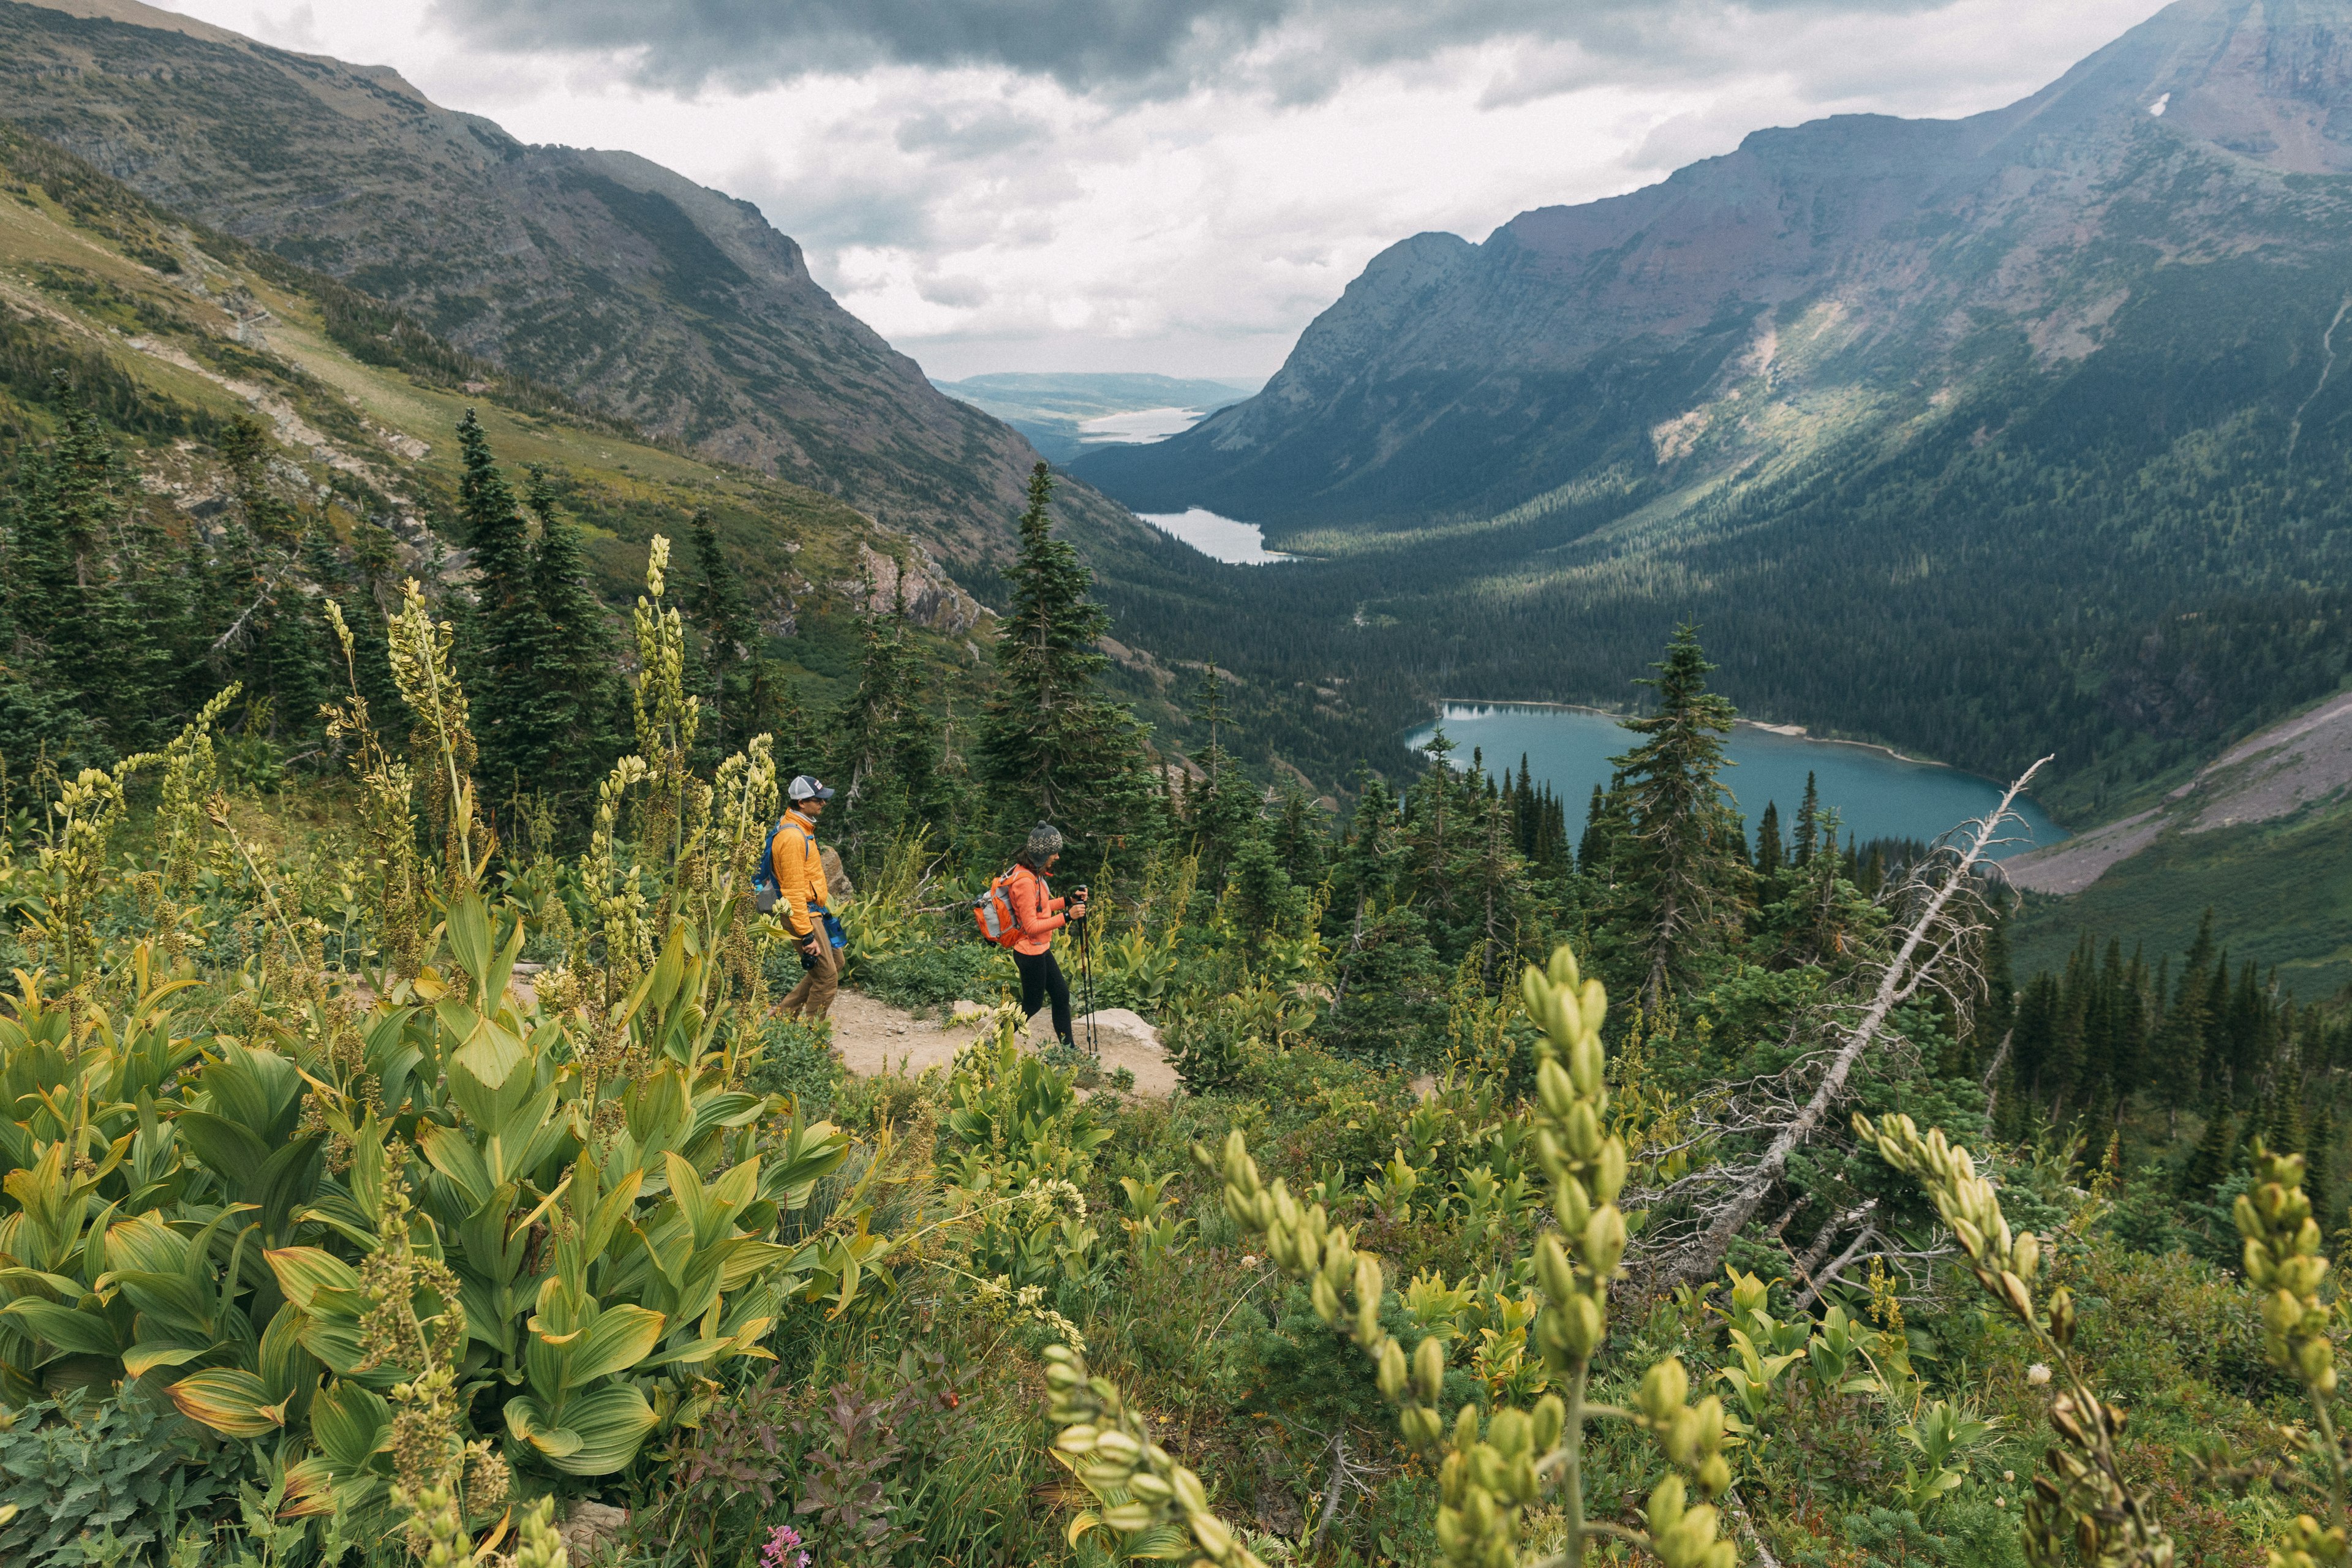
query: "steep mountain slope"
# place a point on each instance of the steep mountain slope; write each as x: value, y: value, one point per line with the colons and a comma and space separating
x: 655, y: 300
x: 1859, y: 257
x: 1992, y: 437
x: 2261, y: 834
x: 172, y: 331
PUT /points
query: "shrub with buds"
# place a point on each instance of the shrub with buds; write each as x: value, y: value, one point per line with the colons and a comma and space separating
x: 2080, y: 1510
x: 1491, y: 1470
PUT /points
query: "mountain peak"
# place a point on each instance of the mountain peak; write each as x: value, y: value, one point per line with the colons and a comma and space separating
x: 2268, y: 81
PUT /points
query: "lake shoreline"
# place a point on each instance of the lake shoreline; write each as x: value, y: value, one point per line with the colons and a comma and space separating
x: 1794, y: 732
x: 1876, y: 790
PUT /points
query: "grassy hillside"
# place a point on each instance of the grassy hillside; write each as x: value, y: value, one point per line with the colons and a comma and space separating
x: 173, y: 330
x: 2261, y: 834
x: 651, y: 298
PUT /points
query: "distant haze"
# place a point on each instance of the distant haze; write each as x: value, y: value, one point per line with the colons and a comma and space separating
x: 1064, y: 414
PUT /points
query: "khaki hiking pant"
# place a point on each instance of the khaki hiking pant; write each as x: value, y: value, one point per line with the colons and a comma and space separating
x: 813, y: 997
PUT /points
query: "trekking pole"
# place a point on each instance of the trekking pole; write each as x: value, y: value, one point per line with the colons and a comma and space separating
x: 1086, y: 980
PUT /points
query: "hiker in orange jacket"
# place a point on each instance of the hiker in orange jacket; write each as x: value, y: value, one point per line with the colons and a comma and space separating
x: 1040, y: 915
x: 806, y: 900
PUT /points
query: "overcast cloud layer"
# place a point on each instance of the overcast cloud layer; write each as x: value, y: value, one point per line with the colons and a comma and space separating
x: 1174, y: 185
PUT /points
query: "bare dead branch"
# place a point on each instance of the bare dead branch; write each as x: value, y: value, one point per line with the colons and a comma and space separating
x: 1828, y: 1277
x: 1928, y: 946
x: 1828, y: 1237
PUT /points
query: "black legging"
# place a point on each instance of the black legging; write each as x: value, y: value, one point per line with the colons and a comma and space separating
x: 1042, y: 977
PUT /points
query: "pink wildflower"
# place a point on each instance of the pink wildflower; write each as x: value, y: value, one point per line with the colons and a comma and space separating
x: 779, y: 1551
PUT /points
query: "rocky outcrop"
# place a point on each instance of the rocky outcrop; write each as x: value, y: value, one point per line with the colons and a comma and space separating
x: 931, y: 598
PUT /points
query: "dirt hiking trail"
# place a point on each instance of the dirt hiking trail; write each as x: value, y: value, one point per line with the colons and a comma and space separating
x: 873, y: 1037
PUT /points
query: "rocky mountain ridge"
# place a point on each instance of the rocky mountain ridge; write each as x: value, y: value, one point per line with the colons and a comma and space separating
x: 1857, y: 259
x: 661, y: 302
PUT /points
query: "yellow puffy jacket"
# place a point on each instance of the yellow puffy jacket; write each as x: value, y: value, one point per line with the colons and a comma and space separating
x: 800, y: 873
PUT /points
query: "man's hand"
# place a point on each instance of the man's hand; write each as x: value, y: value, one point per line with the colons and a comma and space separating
x: 814, y: 945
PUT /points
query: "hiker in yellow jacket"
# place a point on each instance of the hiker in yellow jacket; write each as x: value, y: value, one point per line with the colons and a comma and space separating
x: 806, y: 900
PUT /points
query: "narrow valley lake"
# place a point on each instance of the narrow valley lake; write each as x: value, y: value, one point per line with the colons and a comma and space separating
x: 1239, y: 544
x: 1877, y: 793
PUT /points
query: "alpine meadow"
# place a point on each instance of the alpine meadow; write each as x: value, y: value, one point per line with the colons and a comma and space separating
x: 638, y: 937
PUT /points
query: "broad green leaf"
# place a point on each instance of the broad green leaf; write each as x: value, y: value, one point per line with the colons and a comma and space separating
x: 350, y: 1424
x: 611, y: 1422
x: 228, y: 1400
x: 230, y: 1152
x: 146, y: 1244
x: 528, y: 1425
x: 303, y: 1271
x: 141, y: 1358
x: 77, y: 1333
x: 620, y: 1338
x: 453, y: 1155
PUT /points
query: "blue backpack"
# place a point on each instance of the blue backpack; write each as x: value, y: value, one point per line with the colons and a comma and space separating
x: 764, y: 890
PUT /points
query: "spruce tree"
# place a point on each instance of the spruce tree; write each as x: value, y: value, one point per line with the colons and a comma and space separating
x: 274, y: 642
x: 885, y: 752
x: 1679, y: 880
x: 2181, y: 1049
x: 1600, y: 833
x: 506, y: 631
x: 2215, y: 1156
x: 1768, y: 841
x: 731, y: 658
x: 98, y: 652
x: 578, y: 707
x: 1808, y: 823
x: 1052, y: 748
x: 1223, y: 810
x: 1300, y: 839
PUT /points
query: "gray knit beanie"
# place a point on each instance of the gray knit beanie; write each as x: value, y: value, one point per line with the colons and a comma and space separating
x: 1044, y: 843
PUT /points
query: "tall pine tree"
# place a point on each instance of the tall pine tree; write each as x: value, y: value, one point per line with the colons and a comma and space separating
x: 1052, y: 747
x: 1680, y: 877
x: 506, y: 631
x: 578, y: 711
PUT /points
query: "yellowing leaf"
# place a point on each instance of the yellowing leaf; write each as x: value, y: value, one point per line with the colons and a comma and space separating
x: 228, y: 1400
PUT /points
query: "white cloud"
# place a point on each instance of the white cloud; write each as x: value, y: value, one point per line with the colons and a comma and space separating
x: 987, y: 219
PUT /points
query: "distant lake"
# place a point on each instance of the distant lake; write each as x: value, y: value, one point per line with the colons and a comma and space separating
x: 1242, y: 543
x: 1877, y: 793
x: 1138, y: 426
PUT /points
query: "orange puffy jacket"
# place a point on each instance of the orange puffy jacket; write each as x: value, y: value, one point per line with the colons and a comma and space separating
x: 1039, y: 912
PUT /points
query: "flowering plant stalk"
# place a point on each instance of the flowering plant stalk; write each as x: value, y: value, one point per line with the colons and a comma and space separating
x: 2082, y: 1505
x: 1491, y: 1469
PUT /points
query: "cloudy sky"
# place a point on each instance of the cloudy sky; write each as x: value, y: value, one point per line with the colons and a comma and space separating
x: 1173, y: 186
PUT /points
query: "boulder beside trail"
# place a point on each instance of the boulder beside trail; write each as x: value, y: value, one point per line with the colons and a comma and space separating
x: 1126, y: 1039
x: 590, y: 1527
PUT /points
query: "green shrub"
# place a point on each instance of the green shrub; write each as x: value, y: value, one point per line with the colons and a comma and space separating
x: 932, y: 974
x: 796, y: 1060
x: 96, y: 1481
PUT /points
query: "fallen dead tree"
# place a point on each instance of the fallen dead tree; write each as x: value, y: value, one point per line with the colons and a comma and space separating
x: 1943, y: 919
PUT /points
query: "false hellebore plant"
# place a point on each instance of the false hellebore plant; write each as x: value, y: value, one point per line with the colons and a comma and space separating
x: 1490, y: 1469
x: 415, y: 1238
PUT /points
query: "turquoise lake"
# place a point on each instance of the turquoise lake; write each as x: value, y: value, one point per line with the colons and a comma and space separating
x: 1877, y: 793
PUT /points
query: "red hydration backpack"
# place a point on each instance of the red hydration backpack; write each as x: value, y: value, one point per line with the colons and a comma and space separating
x: 993, y: 912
